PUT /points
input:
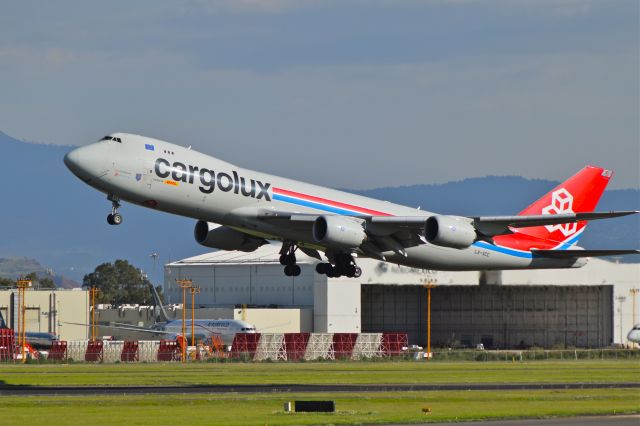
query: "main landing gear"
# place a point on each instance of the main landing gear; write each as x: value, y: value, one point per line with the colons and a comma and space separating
x: 345, y: 265
x: 288, y: 260
x: 114, y: 218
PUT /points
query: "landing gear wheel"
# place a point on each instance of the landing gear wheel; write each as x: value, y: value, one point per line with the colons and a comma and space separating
x: 116, y: 219
x: 287, y: 270
x: 357, y: 272
x: 322, y: 268
x: 295, y: 270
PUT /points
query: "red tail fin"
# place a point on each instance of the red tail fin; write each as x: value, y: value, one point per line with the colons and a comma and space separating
x: 579, y: 193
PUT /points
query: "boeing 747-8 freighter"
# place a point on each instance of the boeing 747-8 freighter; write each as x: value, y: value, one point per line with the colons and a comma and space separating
x: 240, y: 209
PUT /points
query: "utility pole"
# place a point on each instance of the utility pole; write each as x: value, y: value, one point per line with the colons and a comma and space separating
x: 22, y: 332
x: 184, y: 285
x: 193, y: 291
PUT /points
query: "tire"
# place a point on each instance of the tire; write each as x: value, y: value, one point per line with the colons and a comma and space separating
x: 321, y: 268
x: 117, y: 219
x: 358, y: 272
x: 110, y: 219
x: 287, y: 270
x: 295, y: 270
x: 283, y: 259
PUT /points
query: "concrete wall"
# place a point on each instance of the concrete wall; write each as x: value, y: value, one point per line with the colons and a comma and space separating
x: 62, y: 312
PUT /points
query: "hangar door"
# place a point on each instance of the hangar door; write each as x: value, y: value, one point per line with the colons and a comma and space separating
x: 500, y: 317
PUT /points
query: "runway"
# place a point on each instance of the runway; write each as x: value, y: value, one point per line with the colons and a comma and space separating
x: 6, y: 390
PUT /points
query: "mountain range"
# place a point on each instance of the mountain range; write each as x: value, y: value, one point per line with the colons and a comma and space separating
x: 51, y: 216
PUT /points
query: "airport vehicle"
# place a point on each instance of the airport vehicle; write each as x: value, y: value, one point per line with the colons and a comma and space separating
x: 204, y: 329
x: 634, y: 334
x: 240, y: 209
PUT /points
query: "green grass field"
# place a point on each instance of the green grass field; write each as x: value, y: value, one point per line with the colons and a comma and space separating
x: 380, y: 372
x: 352, y: 408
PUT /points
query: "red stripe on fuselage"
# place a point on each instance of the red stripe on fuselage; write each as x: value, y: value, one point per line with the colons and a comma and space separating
x: 329, y: 202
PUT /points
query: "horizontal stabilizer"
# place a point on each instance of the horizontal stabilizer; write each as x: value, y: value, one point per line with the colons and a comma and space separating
x: 570, y: 254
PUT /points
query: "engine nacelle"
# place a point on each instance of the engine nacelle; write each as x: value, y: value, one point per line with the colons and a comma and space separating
x: 339, y: 231
x: 450, y: 231
x: 224, y: 238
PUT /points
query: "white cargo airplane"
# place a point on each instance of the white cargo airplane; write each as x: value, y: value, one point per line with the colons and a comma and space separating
x: 240, y: 209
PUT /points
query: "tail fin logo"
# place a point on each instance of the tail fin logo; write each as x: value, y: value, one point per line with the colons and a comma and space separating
x: 561, y: 202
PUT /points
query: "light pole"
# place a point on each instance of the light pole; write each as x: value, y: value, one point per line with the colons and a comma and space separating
x: 184, y: 285
x: 430, y: 284
x: 193, y: 291
x: 22, y: 332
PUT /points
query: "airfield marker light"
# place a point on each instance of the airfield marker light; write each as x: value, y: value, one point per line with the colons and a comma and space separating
x: 22, y: 332
x: 184, y: 285
x: 193, y: 291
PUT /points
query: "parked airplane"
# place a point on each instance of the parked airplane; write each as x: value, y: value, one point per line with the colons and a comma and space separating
x: 226, y: 329
x: 634, y: 334
x: 36, y: 339
x: 240, y: 209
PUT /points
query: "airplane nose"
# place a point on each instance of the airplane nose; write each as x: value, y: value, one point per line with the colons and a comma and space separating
x: 86, y: 162
x: 73, y: 161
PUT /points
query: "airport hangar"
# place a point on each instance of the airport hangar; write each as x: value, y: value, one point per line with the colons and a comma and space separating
x: 593, y: 306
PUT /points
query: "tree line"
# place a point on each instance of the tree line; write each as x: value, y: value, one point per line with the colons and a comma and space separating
x: 118, y: 283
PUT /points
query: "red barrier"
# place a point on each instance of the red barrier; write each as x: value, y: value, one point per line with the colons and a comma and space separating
x: 245, y: 345
x: 58, y: 351
x: 296, y: 345
x: 392, y: 343
x: 94, y: 351
x: 168, y: 350
x: 343, y: 344
x: 129, y: 351
x: 7, y: 344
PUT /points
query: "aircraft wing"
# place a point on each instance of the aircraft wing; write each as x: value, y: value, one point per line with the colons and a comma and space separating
x: 491, y: 226
x: 127, y: 327
x: 409, y: 230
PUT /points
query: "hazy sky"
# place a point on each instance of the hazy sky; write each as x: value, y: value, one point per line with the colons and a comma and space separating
x: 352, y: 94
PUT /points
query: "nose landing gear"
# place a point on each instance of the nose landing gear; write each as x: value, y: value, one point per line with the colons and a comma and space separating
x: 114, y: 218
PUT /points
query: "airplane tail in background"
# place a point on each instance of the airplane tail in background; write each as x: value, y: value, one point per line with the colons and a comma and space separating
x: 2, y: 323
x: 578, y: 194
x: 159, y: 308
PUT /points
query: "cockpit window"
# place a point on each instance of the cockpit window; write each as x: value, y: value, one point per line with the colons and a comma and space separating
x: 111, y: 138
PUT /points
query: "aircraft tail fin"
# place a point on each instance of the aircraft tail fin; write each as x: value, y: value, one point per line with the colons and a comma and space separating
x: 2, y: 323
x: 578, y: 194
x: 160, y: 312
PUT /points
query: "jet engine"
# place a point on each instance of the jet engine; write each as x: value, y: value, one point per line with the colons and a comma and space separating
x: 221, y: 237
x: 339, y: 231
x: 450, y: 231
